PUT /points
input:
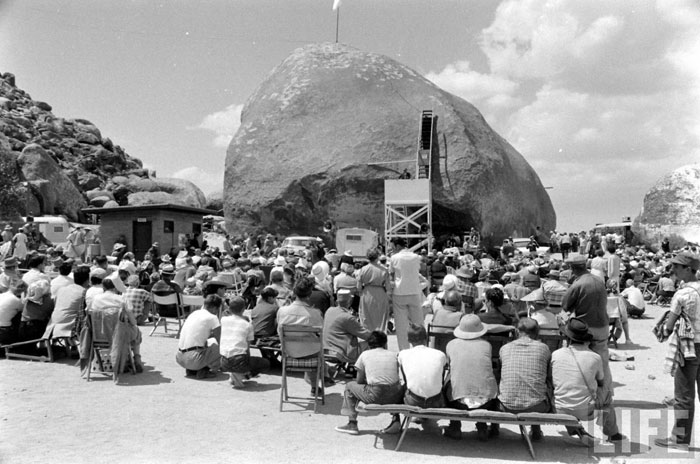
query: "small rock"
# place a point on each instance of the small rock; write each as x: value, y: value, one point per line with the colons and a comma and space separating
x: 651, y: 377
x: 629, y: 367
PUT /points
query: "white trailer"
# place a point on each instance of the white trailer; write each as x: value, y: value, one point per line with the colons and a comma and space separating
x: 356, y: 240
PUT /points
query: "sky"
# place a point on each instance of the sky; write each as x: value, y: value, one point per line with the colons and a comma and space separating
x: 601, y: 97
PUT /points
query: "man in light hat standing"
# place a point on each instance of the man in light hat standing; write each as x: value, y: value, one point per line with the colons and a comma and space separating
x: 404, y: 269
x: 685, y: 304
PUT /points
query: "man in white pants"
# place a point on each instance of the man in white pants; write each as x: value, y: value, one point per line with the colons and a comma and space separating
x: 404, y: 267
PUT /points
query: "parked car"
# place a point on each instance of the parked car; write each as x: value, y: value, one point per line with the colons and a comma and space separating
x: 297, y: 243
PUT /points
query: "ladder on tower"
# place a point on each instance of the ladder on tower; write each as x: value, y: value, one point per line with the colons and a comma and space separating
x: 425, y: 145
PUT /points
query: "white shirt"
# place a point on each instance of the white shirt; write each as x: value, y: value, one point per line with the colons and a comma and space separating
x: 10, y: 305
x: 236, y: 332
x: 90, y: 295
x: 197, y: 329
x: 424, y: 368
x: 33, y: 275
x: 404, y: 266
x: 59, y: 282
x: 634, y: 296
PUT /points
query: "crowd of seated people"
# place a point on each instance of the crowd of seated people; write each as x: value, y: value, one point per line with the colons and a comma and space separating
x: 351, y: 301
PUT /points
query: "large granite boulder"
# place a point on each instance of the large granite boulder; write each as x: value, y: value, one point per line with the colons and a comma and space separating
x: 152, y: 191
x: 672, y: 206
x: 54, y: 190
x: 330, y: 123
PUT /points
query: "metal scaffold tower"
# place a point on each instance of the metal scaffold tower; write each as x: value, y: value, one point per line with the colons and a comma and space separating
x: 408, y: 205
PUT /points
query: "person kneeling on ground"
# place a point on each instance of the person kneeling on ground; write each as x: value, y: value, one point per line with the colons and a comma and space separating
x: 634, y: 300
x: 195, y: 354
x: 377, y: 381
x: 236, y: 335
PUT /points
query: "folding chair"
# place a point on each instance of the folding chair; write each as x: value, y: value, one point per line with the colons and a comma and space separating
x: 189, y: 301
x: 47, y: 341
x: 613, y: 309
x: 100, y: 342
x: 312, y: 337
x: 553, y: 338
x: 172, y: 299
x: 439, y: 336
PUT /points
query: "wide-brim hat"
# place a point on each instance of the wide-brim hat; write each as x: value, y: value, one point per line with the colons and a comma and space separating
x: 216, y: 283
x: 686, y: 258
x: 470, y: 327
x: 11, y: 262
x: 127, y: 266
x: 280, y: 261
x: 8, y: 227
x: 535, y: 295
x: 99, y: 273
x: 168, y: 269
x: 577, y: 330
x: 464, y: 272
x: 576, y: 259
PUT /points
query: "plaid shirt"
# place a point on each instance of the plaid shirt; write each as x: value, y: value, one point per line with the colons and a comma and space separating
x: 554, y: 292
x: 524, y: 372
x: 467, y: 288
x: 135, y: 299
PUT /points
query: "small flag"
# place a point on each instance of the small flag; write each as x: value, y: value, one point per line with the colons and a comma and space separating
x: 336, y: 4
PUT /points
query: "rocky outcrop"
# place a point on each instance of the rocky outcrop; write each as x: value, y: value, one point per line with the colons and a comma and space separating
x: 59, y: 161
x: 330, y: 123
x: 215, y: 201
x: 56, y: 190
x: 672, y: 206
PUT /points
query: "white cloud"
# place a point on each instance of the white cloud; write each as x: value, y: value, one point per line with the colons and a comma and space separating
x: 223, y: 123
x: 601, y: 97
x: 208, y: 182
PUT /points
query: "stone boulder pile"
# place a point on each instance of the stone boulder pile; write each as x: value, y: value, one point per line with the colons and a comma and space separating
x: 330, y: 123
x: 64, y: 165
x: 672, y: 206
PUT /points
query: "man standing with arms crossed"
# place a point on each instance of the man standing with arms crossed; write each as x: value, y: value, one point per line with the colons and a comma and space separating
x: 404, y: 268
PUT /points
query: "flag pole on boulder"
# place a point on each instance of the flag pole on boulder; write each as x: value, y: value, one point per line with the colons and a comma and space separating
x: 336, y: 8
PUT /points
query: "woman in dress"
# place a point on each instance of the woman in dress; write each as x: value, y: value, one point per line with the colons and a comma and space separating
x: 373, y: 284
x: 20, y: 243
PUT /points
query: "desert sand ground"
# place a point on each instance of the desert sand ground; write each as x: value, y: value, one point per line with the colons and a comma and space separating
x: 48, y: 414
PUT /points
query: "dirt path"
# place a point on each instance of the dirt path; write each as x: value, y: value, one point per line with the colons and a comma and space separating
x: 48, y: 414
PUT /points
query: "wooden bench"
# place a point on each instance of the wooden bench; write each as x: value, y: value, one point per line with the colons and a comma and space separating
x: 476, y: 415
